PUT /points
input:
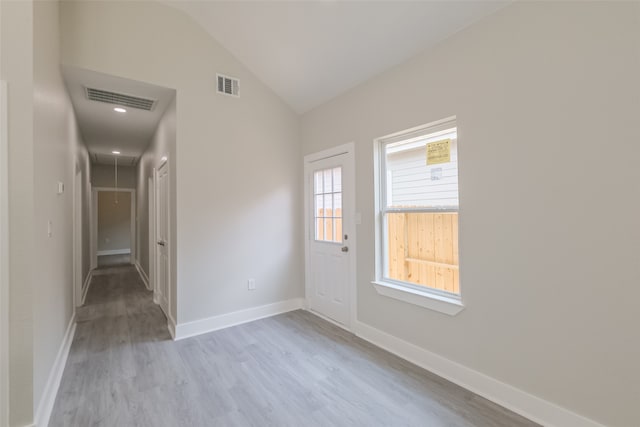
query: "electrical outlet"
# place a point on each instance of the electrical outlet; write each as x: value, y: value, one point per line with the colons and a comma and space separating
x: 251, y: 284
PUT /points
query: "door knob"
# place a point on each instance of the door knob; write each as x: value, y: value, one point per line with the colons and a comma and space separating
x: 345, y: 249
x: 161, y: 243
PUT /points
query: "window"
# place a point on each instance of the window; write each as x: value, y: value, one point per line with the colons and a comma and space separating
x: 418, y: 211
x: 327, y: 184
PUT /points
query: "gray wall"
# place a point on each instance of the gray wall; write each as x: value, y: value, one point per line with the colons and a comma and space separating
x: 104, y: 176
x: 162, y: 144
x: 58, y: 152
x: 225, y: 233
x: 114, y: 221
x: 45, y: 148
x: 545, y: 93
x: 16, y: 68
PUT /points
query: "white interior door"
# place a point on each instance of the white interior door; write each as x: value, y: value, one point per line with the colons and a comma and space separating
x: 152, y: 236
x: 330, y: 235
x: 162, y: 237
x: 77, y: 239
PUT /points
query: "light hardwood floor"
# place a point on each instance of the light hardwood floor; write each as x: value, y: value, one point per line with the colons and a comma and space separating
x: 289, y: 370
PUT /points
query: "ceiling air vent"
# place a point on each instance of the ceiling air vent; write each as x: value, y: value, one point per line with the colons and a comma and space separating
x: 120, y: 99
x: 228, y: 85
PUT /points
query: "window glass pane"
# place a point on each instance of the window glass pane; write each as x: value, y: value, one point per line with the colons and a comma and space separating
x: 337, y: 205
x: 319, y: 206
x: 414, y: 183
x: 327, y: 181
x: 337, y: 180
x: 328, y: 205
x: 317, y: 181
x: 319, y: 228
x: 328, y: 229
x: 422, y: 247
x: 338, y: 228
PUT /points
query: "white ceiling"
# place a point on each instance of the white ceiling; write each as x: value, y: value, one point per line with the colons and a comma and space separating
x: 311, y: 51
x: 104, y: 130
x: 307, y: 51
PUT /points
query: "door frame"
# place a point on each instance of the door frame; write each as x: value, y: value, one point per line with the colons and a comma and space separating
x: 77, y: 238
x: 349, y: 184
x: 94, y: 222
x: 164, y: 162
x: 151, y: 199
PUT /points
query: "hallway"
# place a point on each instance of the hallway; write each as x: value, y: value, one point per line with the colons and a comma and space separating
x: 110, y: 365
x: 289, y: 370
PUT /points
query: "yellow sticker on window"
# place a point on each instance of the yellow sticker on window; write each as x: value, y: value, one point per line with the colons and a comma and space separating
x: 439, y: 152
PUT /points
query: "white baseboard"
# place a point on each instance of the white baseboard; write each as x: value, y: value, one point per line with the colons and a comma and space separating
x: 114, y: 252
x: 143, y: 275
x: 43, y: 413
x: 85, y: 286
x: 171, y: 325
x: 198, y: 327
x: 534, y: 408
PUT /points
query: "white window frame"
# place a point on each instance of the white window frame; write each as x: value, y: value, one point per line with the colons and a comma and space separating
x: 434, y: 299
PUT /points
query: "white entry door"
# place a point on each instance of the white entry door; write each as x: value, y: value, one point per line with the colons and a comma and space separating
x: 162, y: 238
x: 330, y: 236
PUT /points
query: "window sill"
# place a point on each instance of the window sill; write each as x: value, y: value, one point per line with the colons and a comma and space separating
x: 439, y: 303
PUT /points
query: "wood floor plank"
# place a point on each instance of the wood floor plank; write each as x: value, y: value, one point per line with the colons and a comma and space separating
x: 294, y: 369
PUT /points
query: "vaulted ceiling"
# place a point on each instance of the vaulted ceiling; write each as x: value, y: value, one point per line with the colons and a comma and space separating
x: 311, y: 51
x: 307, y: 52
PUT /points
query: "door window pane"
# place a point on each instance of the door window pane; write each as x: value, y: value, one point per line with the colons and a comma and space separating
x: 327, y: 211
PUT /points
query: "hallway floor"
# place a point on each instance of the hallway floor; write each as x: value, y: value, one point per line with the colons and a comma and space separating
x: 289, y: 370
x: 106, y: 261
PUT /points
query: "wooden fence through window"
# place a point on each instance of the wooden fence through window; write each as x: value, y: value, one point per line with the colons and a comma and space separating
x: 423, y: 249
x: 326, y: 222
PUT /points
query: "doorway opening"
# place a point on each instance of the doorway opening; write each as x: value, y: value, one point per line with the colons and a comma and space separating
x: 115, y: 227
x: 330, y: 221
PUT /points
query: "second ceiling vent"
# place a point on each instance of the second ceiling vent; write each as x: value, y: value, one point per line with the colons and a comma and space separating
x: 120, y: 99
x: 228, y: 85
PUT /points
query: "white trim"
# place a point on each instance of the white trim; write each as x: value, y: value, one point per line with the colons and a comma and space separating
x: 440, y: 303
x: 114, y: 252
x: 349, y: 222
x: 93, y: 227
x: 157, y: 296
x: 203, y: 326
x: 323, y: 317
x: 143, y: 275
x: 77, y: 239
x: 425, y: 299
x: 85, y: 286
x: 514, y: 399
x: 4, y: 258
x: 171, y: 326
x: 171, y: 323
x: 45, y: 406
x: 152, y: 232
